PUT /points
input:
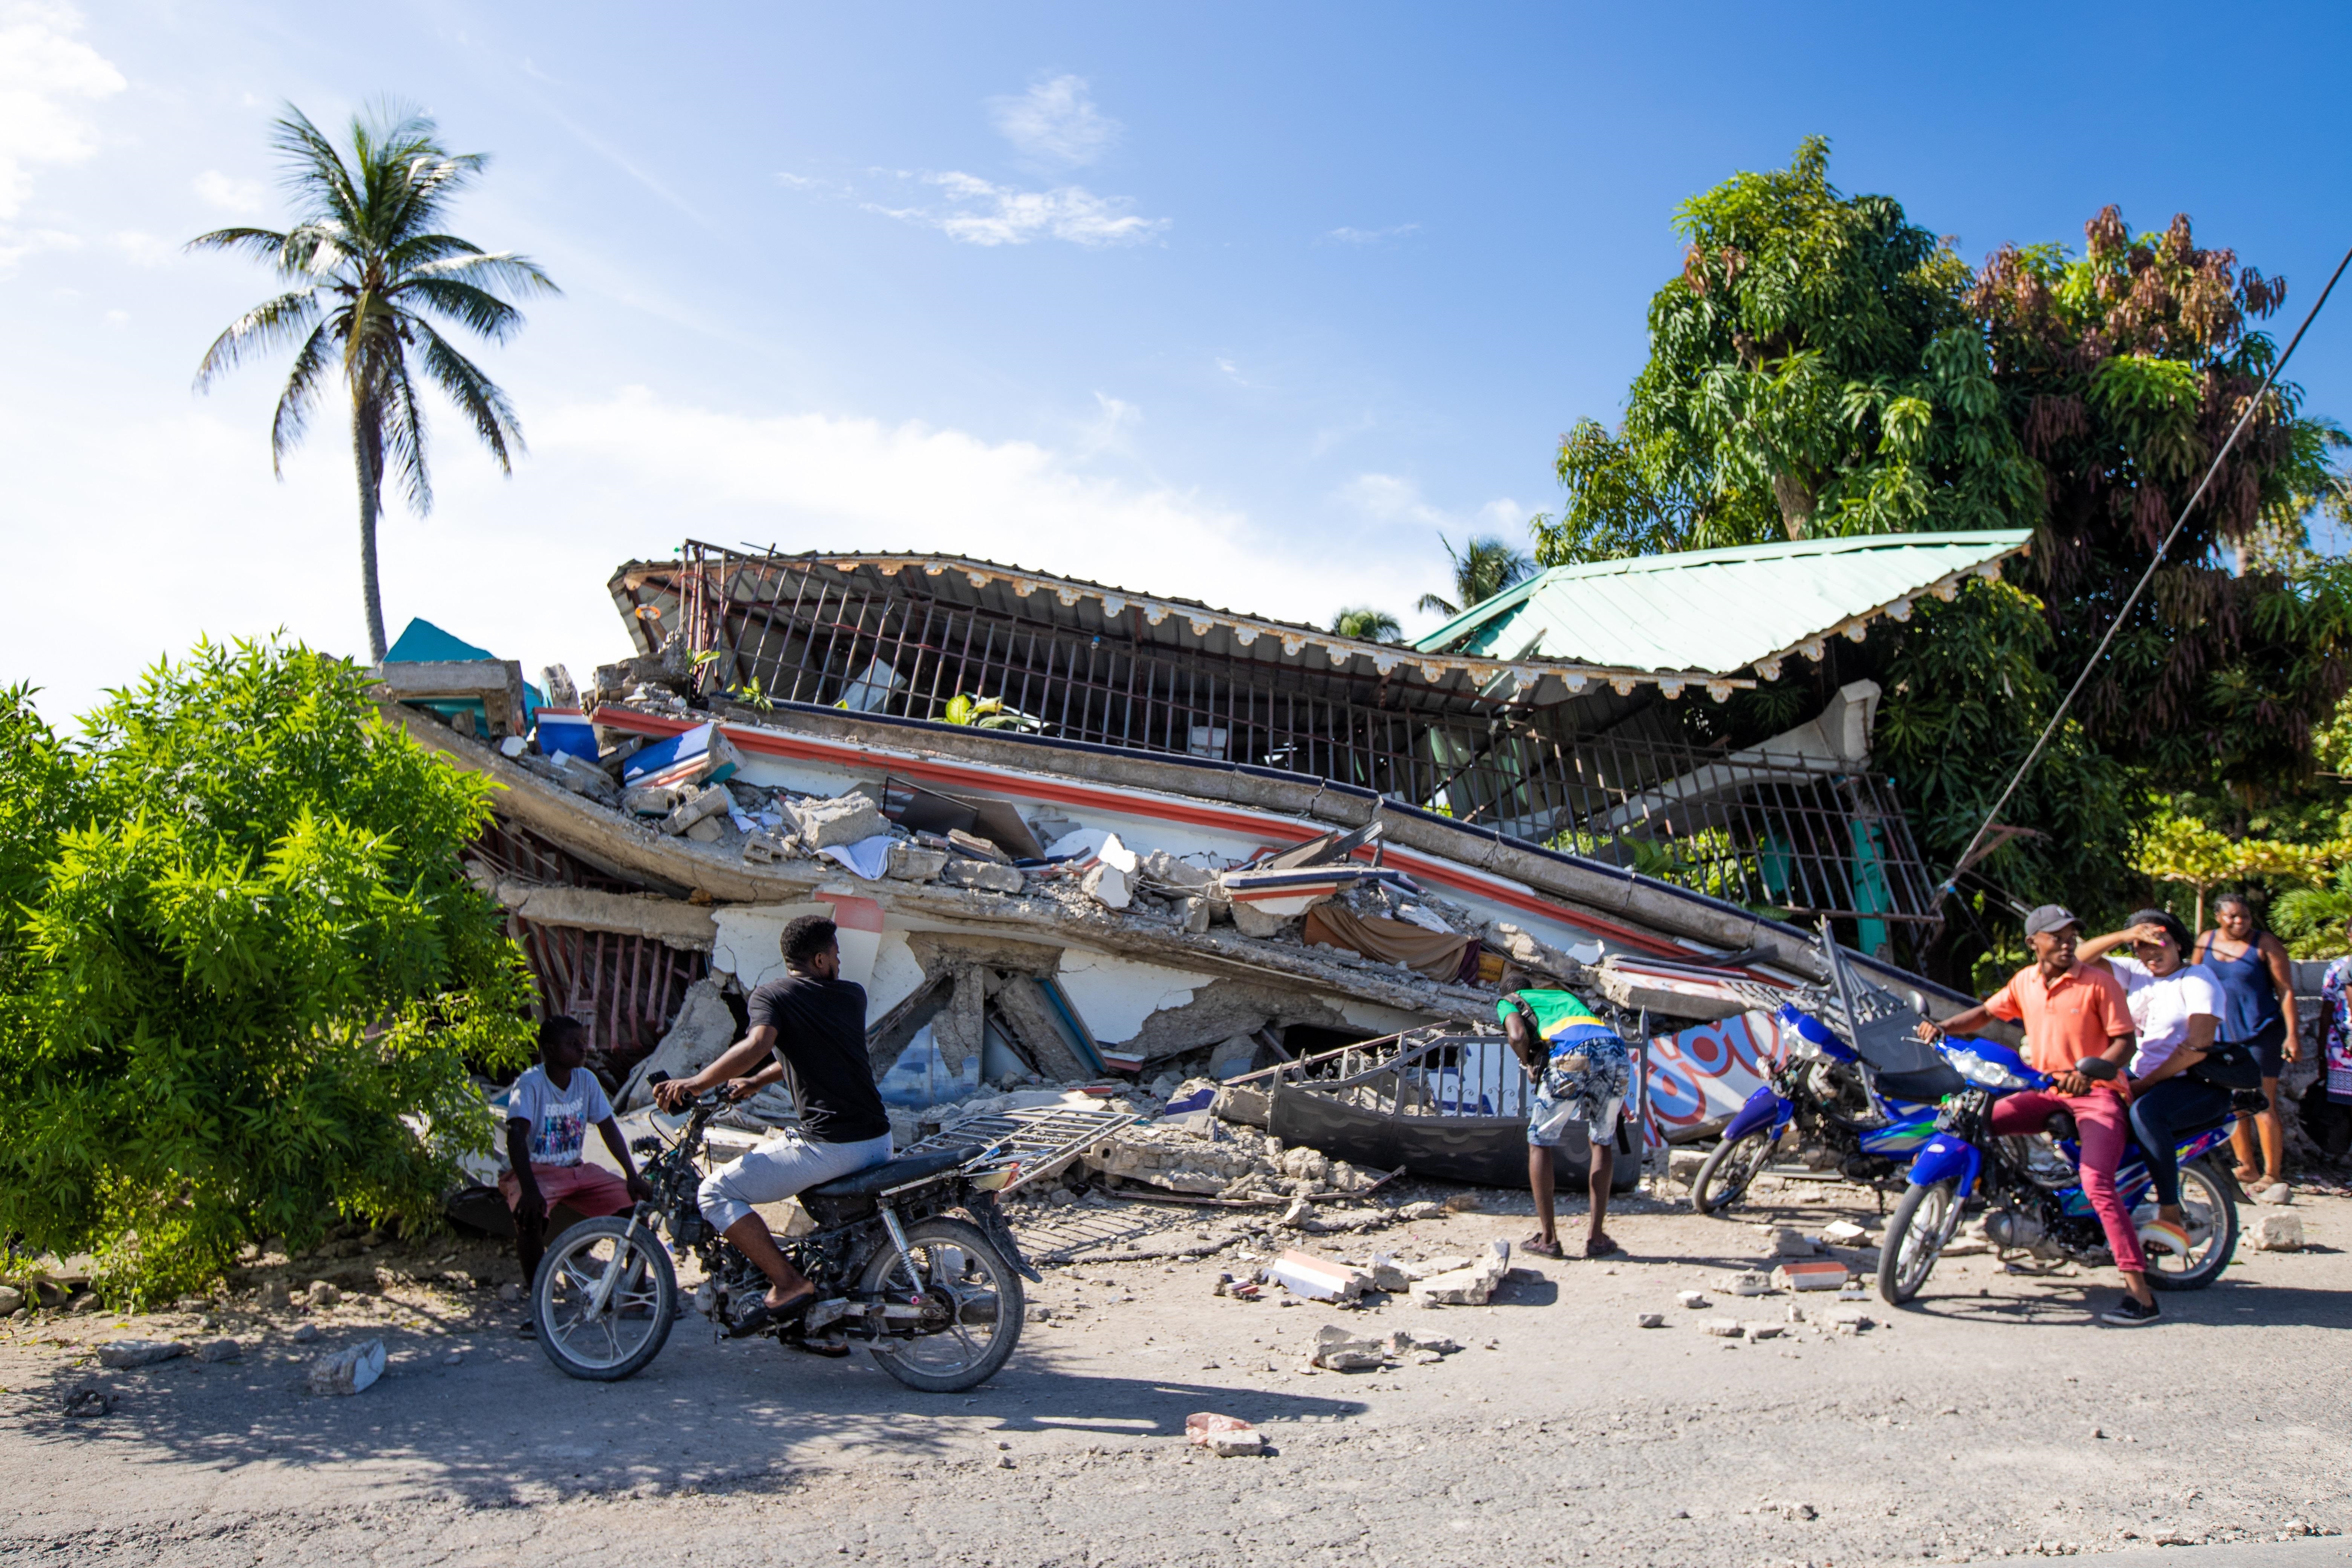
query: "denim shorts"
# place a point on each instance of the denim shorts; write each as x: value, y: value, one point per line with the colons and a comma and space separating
x: 1593, y: 1094
x: 2269, y: 1046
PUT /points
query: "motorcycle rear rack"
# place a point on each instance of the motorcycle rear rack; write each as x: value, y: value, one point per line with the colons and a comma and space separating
x: 1044, y: 1141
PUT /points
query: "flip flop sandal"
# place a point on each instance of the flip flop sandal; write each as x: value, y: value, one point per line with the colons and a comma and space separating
x: 763, y: 1317
x: 1544, y: 1248
x: 1602, y: 1246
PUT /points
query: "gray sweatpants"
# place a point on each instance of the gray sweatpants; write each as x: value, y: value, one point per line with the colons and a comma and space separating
x: 780, y: 1168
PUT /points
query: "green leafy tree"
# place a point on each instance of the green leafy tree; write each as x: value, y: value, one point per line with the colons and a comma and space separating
x: 245, y: 976
x: 1482, y: 569
x: 370, y: 272
x: 1367, y: 624
x: 1811, y: 372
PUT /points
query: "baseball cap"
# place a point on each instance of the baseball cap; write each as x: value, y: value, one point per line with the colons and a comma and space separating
x: 2049, y: 917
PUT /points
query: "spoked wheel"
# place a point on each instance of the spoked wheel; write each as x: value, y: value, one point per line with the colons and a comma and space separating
x: 1923, y: 1221
x: 604, y: 1299
x: 1723, y: 1180
x: 972, y: 1306
x: 2209, y: 1213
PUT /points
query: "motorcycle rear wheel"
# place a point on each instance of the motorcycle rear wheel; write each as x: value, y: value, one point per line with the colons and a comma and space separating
x: 604, y: 1346
x: 2211, y: 1211
x: 1724, y: 1179
x: 1922, y: 1223
x: 984, y: 1306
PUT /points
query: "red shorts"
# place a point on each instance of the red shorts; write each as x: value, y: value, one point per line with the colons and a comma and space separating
x: 589, y: 1191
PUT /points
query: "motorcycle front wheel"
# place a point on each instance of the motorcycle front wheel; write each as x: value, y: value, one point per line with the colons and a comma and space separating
x: 609, y: 1339
x: 1922, y: 1222
x: 1724, y: 1179
x: 972, y: 1302
x: 2211, y: 1216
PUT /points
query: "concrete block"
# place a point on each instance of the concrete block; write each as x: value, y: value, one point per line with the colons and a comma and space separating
x: 764, y: 848
x: 221, y: 1348
x: 1748, y: 1284
x: 707, y: 831
x: 981, y: 874
x: 1388, y: 1274
x: 651, y: 800
x: 1470, y: 1287
x: 348, y: 1370
x: 1693, y: 1299
x: 121, y: 1354
x: 1336, y: 1349
x: 1788, y: 1243
x: 1250, y: 923
x: 1317, y: 1278
x: 1725, y: 1328
x: 2275, y: 1232
x: 1108, y: 885
x: 1844, y: 1232
x: 844, y: 819
x: 697, y: 807
x: 912, y: 863
x: 1825, y: 1274
x: 1650, y: 1320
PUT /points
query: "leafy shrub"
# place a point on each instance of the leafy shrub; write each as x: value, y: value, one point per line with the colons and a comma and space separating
x: 242, y: 975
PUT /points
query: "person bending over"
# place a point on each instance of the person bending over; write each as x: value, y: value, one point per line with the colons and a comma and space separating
x: 2071, y: 1010
x: 1580, y: 1071
x: 813, y: 1021
x: 548, y: 1111
x: 2176, y: 1006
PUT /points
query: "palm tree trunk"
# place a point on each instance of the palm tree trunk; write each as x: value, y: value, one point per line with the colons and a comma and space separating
x: 367, y: 457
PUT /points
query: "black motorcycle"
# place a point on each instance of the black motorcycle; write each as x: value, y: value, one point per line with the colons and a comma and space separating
x: 911, y: 1259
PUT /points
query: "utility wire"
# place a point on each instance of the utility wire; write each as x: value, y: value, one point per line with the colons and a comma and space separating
x: 1948, y: 885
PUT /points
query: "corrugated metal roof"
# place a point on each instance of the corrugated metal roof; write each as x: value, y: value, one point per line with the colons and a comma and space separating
x: 1722, y: 610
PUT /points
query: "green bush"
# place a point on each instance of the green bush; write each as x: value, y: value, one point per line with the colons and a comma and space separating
x: 242, y: 975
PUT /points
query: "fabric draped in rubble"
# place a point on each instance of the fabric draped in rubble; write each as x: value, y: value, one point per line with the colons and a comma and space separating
x: 1445, y: 956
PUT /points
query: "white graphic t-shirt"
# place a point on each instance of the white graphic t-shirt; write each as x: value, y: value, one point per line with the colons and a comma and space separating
x: 558, y: 1118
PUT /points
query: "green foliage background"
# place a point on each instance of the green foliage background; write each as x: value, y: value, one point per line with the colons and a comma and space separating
x: 242, y: 975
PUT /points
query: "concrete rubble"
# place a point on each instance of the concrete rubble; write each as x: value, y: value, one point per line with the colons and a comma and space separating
x: 350, y: 1370
x: 1226, y: 1436
x: 2275, y: 1232
x: 1469, y: 1286
x: 122, y: 1354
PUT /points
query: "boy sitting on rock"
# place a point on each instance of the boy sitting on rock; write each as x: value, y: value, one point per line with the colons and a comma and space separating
x: 548, y: 1113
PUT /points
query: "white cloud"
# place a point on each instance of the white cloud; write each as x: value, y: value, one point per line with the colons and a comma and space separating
x: 47, y: 74
x: 976, y: 211
x: 1056, y: 120
x: 1390, y: 498
x: 237, y: 198
x: 1373, y: 236
x: 143, y: 249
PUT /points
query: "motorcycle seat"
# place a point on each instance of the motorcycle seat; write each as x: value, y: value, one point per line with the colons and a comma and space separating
x: 1924, y: 1087
x: 876, y: 1180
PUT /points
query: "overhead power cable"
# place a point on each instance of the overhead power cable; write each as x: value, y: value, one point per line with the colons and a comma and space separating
x: 1968, y: 857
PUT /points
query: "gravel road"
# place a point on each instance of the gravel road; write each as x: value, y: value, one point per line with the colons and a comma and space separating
x: 1996, y: 1417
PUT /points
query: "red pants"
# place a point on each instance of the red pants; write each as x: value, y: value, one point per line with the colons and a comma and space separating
x: 589, y: 1191
x: 2103, y: 1125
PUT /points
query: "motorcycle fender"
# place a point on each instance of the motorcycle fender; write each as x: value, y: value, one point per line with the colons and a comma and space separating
x: 1763, y: 1107
x: 982, y: 1208
x: 1945, y: 1158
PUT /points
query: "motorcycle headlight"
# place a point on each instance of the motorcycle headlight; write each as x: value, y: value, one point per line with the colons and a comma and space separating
x: 1981, y: 1069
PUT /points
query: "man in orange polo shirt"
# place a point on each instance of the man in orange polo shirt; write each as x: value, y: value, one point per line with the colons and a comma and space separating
x: 2073, y: 1010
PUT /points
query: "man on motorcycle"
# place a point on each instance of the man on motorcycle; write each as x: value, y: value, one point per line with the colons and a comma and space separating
x: 812, y: 1022
x: 2071, y: 1010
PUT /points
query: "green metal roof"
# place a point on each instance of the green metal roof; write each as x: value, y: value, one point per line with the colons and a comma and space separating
x: 1721, y: 610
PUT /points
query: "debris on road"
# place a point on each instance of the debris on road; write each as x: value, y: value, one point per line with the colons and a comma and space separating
x: 122, y: 1354
x: 2275, y: 1232
x: 347, y: 1371
x: 1820, y: 1275
x: 1650, y: 1320
x: 1337, y: 1349
x: 1725, y: 1328
x: 1844, y: 1232
x: 224, y: 1348
x: 1226, y: 1436
x: 88, y: 1401
x: 1750, y: 1284
x: 1466, y: 1287
x: 1692, y: 1299
x: 1317, y: 1278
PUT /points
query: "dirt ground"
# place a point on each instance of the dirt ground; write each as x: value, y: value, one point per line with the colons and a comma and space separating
x: 1994, y: 1417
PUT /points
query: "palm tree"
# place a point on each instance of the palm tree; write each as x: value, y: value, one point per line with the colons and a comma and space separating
x: 1482, y: 569
x: 1367, y: 624
x: 368, y: 265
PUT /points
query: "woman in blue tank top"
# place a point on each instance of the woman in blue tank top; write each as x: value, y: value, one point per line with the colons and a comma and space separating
x: 2258, y: 993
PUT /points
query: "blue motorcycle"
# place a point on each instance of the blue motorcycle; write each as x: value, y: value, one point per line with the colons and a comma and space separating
x: 2031, y: 1186
x: 1871, y: 1105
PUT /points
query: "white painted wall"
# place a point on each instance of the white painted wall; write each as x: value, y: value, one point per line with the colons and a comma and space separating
x: 750, y: 937
x: 896, y: 976
x: 1116, y: 994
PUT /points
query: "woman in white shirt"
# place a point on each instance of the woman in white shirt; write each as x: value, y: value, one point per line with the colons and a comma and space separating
x: 2175, y: 1007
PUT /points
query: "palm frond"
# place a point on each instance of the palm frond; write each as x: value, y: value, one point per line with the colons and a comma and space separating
x: 413, y: 251
x: 266, y: 245
x: 268, y: 324
x: 318, y: 248
x: 300, y: 395
x: 475, y: 309
x: 313, y: 171
x: 500, y: 269
x: 478, y: 397
x: 403, y: 435
x: 1431, y: 601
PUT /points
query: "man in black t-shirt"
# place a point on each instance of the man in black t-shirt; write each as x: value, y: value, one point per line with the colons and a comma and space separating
x: 814, y: 1023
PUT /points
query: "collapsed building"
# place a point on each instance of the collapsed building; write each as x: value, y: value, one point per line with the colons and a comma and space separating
x: 1070, y: 831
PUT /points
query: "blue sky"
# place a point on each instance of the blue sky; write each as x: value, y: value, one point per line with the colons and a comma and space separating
x: 1241, y: 303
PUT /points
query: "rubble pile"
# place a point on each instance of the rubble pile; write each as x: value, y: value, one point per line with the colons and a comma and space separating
x: 1210, y: 1158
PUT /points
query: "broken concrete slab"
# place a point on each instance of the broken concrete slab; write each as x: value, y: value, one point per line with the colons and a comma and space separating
x: 1340, y: 1349
x: 986, y: 875
x: 123, y: 1354
x: 673, y: 922
x: 910, y: 862
x: 844, y: 819
x: 1226, y: 1436
x: 1468, y: 1287
x: 1725, y: 1328
x: 218, y: 1350
x: 697, y: 807
x: 348, y: 1370
x: 1317, y: 1278
x: 1822, y: 1273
